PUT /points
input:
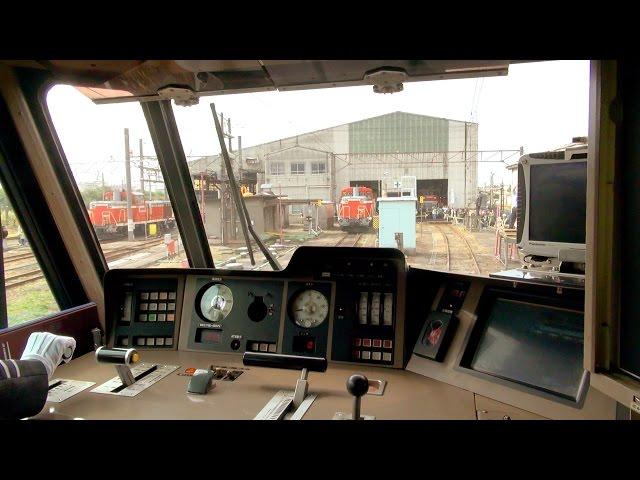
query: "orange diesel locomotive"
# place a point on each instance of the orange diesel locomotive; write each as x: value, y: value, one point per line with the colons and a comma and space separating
x: 355, y: 209
x: 109, y: 215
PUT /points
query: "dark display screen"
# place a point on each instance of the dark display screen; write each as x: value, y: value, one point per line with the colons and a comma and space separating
x: 205, y: 335
x: 536, y: 345
x: 558, y: 202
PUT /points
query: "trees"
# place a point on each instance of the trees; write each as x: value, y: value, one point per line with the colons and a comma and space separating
x: 91, y: 192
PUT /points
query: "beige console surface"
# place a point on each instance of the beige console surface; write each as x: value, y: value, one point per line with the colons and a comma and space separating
x: 407, y: 395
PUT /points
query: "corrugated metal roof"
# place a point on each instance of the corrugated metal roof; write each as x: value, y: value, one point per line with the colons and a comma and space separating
x: 357, y: 126
x: 399, y: 132
x: 363, y: 120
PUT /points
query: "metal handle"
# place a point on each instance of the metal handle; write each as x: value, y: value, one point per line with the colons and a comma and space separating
x: 289, y: 362
x: 121, y: 356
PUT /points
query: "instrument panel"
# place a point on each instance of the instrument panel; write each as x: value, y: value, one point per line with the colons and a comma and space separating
x: 227, y: 315
x: 332, y: 303
x: 362, y: 307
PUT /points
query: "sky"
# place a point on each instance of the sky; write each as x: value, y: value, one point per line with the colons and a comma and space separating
x: 538, y: 106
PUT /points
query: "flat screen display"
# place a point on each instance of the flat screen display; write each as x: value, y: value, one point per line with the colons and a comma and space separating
x: 539, y: 346
x: 558, y: 202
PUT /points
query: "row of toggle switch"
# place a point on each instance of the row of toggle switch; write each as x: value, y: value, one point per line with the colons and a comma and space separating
x: 375, y: 343
x: 372, y: 355
x: 157, y: 295
x: 156, y: 317
x: 148, y: 341
x: 154, y: 307
x: 261, y: 347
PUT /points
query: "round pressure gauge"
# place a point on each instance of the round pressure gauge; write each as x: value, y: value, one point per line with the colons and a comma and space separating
x: 216, y: 302
x: 309, y: 308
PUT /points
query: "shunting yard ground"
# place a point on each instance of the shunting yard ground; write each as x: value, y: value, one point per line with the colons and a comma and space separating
x: 439, y: 246
x: 452, y: 248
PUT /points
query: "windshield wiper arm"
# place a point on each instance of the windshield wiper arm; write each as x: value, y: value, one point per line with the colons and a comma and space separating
x: 241, y: 207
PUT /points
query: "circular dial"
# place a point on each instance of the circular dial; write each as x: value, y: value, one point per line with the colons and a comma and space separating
x: 216, y: 302
x: 309, y: 308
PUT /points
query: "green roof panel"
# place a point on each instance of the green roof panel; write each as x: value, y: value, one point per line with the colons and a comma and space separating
x: 399, y: 132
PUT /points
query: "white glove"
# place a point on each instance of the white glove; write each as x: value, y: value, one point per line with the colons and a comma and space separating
x: 50, y: 349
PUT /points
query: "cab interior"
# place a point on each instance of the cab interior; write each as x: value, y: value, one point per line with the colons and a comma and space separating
x: 268, y: 360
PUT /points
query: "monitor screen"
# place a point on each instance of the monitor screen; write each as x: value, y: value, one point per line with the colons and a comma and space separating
x: 558, y: 202
x: 536, y: 345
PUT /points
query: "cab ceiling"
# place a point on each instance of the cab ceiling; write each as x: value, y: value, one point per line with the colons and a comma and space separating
x: 121, y: 80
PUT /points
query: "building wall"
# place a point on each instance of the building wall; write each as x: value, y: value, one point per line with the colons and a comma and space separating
x: 382, y: 148
x: 389, y: 167
x: 313, y: 181
x: 263, y: 214
x: 457, y: 165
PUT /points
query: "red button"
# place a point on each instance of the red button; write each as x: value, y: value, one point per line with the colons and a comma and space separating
x: 310, y: 345
x: 357, y: 342
x: 377, y: 343
x: 356, y: 354
x: 366, y: 342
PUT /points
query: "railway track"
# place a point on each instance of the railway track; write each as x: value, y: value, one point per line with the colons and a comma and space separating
x: 125, y: 250
x: 349, y: 240
x: 452, y: 232
x: 23, y: 278
x: 17, y: 257
x: 36, y: 274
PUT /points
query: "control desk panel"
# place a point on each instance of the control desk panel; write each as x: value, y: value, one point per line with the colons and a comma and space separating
x: 343, y: 304
x: 336, y: 315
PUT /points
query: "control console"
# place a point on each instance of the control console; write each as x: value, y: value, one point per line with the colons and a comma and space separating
x: 342, y: 304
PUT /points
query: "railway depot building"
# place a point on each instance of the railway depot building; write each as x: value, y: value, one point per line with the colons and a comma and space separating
x: 374, y: 152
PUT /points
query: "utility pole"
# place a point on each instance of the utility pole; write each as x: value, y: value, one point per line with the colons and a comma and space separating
x: 142, y: 173
x: 226, y: 201
x: 334, y: 186
x: 228, y: 132
x: 127, y: 164
x: 465, y: 165
x: 491, y: 192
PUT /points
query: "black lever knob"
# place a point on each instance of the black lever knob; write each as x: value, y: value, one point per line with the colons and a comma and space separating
x: 358, y: 385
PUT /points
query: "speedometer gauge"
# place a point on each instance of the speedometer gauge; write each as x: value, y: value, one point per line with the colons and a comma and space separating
x: 309, y: 308
x: 216, y: 302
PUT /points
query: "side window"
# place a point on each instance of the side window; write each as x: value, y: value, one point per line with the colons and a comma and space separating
x: 113, y: 162
x: 297, y: 168
x: 276, y: 168
x: 26, y: 293
x: 318, y: 167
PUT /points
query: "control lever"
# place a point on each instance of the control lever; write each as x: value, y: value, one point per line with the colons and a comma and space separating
x: 286, y: 404
x: 122, y: 358
x: 358, y: 386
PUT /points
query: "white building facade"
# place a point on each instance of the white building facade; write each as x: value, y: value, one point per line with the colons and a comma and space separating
x: 376, y: 152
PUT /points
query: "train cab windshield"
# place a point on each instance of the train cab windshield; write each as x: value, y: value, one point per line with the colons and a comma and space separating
x: 429, y: 170
x: 258, y: 240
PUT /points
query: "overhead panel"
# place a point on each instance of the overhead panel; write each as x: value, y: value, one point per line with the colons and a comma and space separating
x: 142, y: 79
x: 297, y: 74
